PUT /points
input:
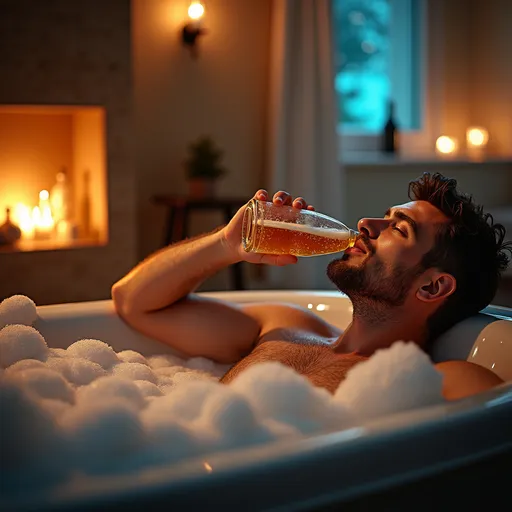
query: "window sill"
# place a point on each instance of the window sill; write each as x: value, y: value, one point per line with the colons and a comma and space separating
x: 376, y: 158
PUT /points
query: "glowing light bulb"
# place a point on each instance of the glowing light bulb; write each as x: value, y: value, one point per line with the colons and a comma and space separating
x: 195, y: 10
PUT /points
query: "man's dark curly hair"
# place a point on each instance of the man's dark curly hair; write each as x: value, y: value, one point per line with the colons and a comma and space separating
x: 470, y: 247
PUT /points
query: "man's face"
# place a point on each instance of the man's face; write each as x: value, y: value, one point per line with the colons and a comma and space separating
x: 386, y: 260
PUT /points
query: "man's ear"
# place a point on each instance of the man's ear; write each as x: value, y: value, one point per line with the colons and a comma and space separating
x: 439, y: 286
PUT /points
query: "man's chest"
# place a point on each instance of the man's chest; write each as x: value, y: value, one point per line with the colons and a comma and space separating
x: 311, y: 357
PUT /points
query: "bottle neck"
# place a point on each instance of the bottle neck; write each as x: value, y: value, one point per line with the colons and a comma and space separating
x: 391, y: 110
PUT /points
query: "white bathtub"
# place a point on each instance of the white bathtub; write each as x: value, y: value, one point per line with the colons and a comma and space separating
x: 345, y: 467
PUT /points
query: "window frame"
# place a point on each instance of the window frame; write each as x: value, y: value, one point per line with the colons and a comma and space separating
x: 429, y: 40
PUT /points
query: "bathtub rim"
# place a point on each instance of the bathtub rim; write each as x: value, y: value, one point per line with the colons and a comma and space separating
x: 243, y: 296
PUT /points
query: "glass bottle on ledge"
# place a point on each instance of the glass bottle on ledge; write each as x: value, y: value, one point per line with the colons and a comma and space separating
x: 390, y: 133
x: 60, y: 197
x: 9, y: 232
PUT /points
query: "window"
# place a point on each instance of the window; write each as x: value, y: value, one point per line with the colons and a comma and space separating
x: 378, y: 59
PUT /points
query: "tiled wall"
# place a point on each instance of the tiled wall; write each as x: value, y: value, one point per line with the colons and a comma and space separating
x: 63, y: 52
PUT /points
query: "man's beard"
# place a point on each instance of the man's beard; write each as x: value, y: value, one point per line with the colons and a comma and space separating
x: 372, y: 289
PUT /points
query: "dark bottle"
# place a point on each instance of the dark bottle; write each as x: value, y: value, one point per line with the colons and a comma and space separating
x: 390, y: 133
x: 9, y: 232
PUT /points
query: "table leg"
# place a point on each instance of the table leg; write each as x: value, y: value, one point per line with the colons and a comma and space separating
x: 169, y: 226
x: 184, y: 233
x: 238, y: 276
x: 179, y: 228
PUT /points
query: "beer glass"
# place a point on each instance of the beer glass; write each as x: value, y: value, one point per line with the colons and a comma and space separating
x: 272, y: 229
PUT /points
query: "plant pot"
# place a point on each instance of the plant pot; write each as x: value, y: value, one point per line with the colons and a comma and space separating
x: 201, y: 188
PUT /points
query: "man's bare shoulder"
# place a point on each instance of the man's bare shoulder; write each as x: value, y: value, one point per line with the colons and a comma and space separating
x: 279, y: 315
x: 462, y: 379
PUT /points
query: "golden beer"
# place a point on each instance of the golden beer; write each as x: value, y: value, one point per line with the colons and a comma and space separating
x: 271, y: 229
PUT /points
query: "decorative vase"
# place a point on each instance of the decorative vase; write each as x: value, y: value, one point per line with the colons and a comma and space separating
x: 201, y: 188
x: 9, y: 232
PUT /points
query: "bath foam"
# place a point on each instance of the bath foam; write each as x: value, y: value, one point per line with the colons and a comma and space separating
x: 17, y: 309
x: 102, y: 413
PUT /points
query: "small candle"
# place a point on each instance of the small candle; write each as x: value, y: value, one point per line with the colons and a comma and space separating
x: 476, y: 140
x: 42, y: 216
x: 25, y: 221
x: 44, y: 200
x: 446, y: 146
x: 477, y: 137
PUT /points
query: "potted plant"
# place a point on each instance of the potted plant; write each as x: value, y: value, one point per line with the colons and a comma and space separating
x: 203, y: 167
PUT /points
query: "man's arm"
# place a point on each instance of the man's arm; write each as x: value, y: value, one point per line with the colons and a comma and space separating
x: 155, y: 297
x: 462, y: 379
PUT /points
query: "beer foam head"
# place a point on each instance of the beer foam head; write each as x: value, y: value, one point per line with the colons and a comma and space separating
x: 306, y: 230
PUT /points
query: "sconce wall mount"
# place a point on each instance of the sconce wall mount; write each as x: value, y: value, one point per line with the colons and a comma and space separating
x: 190, y: 33
x: 193, y: 29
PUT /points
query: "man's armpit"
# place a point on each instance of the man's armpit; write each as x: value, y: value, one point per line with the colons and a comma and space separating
x: 462, y: 379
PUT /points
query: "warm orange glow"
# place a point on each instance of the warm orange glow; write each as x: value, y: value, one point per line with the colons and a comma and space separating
x: 195, y: 10
x: 476, y: 137
x: 36, y: 143
x: 36, y: 222
x: 446, y: 145
x: 23, y: 217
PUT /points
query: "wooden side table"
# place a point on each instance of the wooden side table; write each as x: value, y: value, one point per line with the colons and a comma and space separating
x: 178, y: 210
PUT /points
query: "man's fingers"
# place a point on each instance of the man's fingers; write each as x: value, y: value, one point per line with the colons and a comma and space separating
x: 299, y: 203
x: 261, y: 195
x: 282, y: 198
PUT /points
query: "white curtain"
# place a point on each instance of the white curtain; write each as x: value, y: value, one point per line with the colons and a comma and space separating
x: 302, y: 139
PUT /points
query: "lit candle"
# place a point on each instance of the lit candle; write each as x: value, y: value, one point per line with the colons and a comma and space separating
x: 25, y: 221
x: 446, y: 146
x: 44, y: 200
x: 476, y: 140
x: 42, y: 216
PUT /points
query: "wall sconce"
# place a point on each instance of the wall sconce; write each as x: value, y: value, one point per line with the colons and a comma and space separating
x: 193, y: 29
x: 446, y: 146
x: 476, y: 140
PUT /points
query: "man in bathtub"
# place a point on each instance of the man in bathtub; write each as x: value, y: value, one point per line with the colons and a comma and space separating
x: 412, y: 274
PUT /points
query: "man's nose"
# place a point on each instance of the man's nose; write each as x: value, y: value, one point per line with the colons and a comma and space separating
x: 371, y: 227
